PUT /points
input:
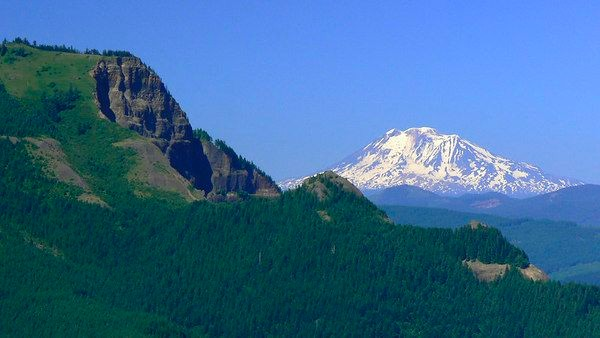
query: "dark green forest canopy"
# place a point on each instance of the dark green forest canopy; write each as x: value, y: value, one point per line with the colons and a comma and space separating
x: 290, y: 271
x: 256, y: 267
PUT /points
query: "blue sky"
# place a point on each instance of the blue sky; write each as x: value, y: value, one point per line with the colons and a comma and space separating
x: 296, y: 86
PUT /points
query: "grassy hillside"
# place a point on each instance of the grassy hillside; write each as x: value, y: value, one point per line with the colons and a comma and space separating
x: 47, y: 93
x: 315, y: 261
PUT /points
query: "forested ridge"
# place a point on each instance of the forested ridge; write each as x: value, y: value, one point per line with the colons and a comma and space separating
x: 153, y: 265
x: 259, y: 266
x: 564, y: 250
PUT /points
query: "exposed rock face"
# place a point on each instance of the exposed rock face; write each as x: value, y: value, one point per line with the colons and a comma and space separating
x: 489, y: 272
x: 475, y: 224
x: 534, y: 273
x: 226, y: 177
x: 132, y: 95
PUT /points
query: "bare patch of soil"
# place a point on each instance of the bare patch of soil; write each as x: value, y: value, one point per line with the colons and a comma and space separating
x: 534, y: 273
x: 475, y: 224
x: 486, y: 272
x: 57, y: 165
x: 93, y: 199
x: 324, y: 215
x: 50, y: 150
x: 490, y: 272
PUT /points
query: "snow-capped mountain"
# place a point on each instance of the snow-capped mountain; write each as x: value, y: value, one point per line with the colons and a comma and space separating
x: 440, y: 163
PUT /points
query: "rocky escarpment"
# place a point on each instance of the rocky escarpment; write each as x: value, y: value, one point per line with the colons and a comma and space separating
x: 132, y: 95
x: 227, y: 174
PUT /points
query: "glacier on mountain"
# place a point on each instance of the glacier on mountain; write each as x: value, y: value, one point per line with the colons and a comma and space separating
x: 441, y: 163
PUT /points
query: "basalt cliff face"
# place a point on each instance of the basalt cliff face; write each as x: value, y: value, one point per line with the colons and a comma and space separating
x: 129, y: 93
x: 228, y: 176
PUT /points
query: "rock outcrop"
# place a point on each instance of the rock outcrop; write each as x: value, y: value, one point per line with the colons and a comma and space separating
x: 228, y: 176
x: 486, y: 272
x: 489, y: 272
x: 534, y: 273
x: 475, y: 224
x: 132, y: 95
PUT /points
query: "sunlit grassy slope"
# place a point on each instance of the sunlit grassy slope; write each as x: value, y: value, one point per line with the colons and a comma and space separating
x: 88, y: 140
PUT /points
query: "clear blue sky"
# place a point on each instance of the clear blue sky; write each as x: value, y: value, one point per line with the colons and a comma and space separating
x: 296, y: 86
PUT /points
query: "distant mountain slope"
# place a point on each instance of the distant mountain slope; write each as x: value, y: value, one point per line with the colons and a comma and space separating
x: 408, y: 195
x: 445, y: 164
x: 579, y: 204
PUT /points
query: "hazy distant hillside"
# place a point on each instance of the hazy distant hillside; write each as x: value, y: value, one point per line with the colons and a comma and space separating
x: 580, y: 204
x: 577, y: 204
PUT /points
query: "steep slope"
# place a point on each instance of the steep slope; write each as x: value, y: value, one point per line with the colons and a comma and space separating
x: 107, y: 112
x: 445, y: 164
x: 153, y: 169
x: 232, y: 173
x: 131, y: 94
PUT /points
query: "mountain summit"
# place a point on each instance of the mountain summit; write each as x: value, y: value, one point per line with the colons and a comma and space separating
x: 441, y: 163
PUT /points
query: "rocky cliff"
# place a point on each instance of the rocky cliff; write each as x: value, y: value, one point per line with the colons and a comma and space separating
x: 228, y: 176
x: 132, y: 95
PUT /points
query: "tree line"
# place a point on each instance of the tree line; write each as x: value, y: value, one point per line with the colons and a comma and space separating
x: 63, y: 48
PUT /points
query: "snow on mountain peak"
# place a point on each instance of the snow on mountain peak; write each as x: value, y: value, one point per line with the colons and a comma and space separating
x: 422, y: 130
x: 441, y: 163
